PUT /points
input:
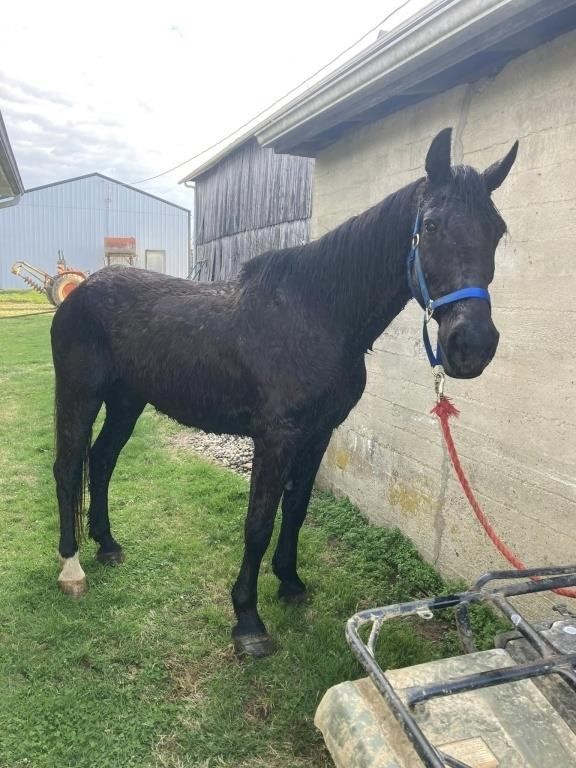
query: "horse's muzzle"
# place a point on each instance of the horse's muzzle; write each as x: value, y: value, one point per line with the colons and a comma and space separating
x: 468, y: 345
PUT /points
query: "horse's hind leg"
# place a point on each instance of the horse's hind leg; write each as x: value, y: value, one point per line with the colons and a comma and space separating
x: 122, y: 411
x: 294, y: 507
x: 75, y: 414
x: 83, y: 370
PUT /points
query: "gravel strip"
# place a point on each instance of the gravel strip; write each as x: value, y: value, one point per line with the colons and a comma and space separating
x: 229, y: 451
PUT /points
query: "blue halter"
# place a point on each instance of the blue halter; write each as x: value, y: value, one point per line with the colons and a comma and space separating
x: 430, y: 305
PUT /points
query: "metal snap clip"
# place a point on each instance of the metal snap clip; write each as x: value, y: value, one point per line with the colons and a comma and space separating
x: 439, y: 381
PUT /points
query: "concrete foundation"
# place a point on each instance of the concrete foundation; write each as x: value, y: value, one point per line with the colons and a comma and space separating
x: 517, y: 432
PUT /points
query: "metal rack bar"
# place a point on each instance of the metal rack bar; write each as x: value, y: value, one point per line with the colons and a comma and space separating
x: 419, y: 693
x: 551, y: 660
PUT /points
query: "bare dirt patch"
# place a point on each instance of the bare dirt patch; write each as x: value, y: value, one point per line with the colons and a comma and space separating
x: 189, y: 677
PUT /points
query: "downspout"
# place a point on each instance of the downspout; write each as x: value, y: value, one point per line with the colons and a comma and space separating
x: 10, y: 201
x: 191, y: 246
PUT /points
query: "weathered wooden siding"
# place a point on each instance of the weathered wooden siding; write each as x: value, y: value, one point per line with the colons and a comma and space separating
x: 252, y: 201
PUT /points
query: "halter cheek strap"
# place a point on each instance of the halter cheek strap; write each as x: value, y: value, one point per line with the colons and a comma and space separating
x: 430, y: 304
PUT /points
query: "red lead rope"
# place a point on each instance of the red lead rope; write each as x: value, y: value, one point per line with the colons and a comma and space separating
x: 444, y: 409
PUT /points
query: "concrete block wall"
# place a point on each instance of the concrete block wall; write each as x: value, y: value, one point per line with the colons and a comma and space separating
x: 517, y: 432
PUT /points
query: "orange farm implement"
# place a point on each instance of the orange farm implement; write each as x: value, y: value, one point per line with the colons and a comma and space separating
x: 57, y: 286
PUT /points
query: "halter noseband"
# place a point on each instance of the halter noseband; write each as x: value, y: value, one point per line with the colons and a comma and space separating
x: 430, y: 305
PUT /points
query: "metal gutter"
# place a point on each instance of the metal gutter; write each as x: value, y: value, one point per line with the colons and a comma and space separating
x: 205, y: 166
x: 7, y: 202
x: 441, y: 36
x: 9, y: 169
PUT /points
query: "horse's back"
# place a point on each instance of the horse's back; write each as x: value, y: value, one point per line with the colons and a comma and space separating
x: 175, y: 343
x: 212, y: 355
x: 132, y: 300
x: 119, y: 287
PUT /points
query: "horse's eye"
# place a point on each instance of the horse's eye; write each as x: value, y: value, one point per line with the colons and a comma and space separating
x: 430, y: 226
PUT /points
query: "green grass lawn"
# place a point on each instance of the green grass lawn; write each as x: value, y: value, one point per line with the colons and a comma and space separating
x: 14, y: 303
x: 140, y: 672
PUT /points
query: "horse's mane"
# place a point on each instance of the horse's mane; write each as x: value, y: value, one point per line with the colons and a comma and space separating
x: 305, y: 266
x: 367, y: 239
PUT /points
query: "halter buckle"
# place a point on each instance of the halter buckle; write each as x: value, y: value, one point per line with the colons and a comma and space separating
x: 428, y: 312
x: 415, y: 240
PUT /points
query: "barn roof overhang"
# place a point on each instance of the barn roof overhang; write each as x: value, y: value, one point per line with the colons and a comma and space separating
x: 11, y: 186
x: 227, y: 150
x: 448, y: 43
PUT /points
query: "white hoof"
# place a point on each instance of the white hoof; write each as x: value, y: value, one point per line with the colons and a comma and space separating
x: 72, y: 579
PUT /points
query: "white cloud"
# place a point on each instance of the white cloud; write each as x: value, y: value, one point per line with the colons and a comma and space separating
x: 129, y: 89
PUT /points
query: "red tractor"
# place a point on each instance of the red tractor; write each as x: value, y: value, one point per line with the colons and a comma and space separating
x: 56, y: 287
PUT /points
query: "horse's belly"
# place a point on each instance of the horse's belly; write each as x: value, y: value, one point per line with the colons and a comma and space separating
x: 210, y: 410
x: 218, y: 420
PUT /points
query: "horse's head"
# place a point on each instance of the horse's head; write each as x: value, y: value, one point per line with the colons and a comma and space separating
x: 460, y: 228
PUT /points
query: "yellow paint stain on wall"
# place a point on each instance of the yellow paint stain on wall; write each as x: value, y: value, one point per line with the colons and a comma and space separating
x: 410, y: 500
x: 341, y: 458
x: 329, y: 456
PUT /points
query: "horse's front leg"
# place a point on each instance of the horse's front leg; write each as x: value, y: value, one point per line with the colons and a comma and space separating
x: 294, y: 507
x: 270, y: 469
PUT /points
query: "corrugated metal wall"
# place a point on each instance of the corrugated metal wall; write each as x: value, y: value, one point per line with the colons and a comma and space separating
x: 252, y: 201
x: 76, y: 215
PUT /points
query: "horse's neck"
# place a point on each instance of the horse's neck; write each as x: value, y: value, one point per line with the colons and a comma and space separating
x: 361, y: 267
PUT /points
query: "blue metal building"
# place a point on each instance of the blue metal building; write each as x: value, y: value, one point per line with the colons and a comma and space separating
x: 76, y: 215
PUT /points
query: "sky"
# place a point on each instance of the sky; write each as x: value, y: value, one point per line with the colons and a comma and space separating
x: 129, y: 89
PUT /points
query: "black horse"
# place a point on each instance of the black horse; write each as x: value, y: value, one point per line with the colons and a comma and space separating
x: 277, y: 354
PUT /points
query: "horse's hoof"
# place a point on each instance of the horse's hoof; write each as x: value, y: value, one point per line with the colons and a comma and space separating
x: 256, y: 646
x: 116, y: 557
x: 294, y: 598
x: 293, y: 594
x: 72, y: 579
x: 75, y: 588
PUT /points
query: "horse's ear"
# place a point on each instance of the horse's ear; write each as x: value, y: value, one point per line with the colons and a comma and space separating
x: 495, y: 174
x: 438, y: 158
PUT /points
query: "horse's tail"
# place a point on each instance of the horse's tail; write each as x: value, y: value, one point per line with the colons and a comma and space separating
x: 79, y: 497
x: 72, y: 429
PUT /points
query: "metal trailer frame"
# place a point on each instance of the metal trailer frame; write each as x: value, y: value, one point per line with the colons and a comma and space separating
x: 550, y: 661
